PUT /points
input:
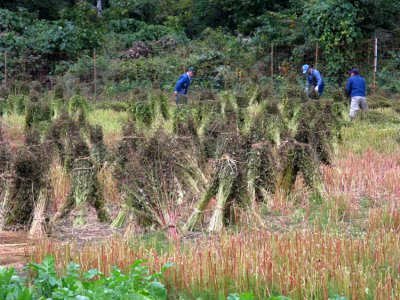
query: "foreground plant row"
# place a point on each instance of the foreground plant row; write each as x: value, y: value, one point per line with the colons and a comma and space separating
x: 136, y: 284
x: 46, y: 284
x: 302, y: 264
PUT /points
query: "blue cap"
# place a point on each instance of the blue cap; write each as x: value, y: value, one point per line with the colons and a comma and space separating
x: 355, y: 71
x: 305, y: 68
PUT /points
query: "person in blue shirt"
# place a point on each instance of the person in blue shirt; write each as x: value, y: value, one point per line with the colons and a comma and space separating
x: 183, y: 83
x: 356, y: 87
x: 314, y: 80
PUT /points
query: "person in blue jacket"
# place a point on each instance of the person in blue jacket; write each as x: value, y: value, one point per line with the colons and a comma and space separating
x: 356, y: 87
x: 183, y: 83
x: 314, y: 80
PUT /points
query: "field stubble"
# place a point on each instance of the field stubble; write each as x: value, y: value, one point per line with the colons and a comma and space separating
x: 347, y: 245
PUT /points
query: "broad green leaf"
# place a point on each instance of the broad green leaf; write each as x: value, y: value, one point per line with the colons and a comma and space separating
x: 233, y: 297
x: 91, y: 274
x: 157, y: 290
x: 247, y: 296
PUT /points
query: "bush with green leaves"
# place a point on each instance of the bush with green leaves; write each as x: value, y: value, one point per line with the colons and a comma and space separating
x: 137, y: 283
x: 388, y: 75
x: 13, y: 287
x: 334, y: 23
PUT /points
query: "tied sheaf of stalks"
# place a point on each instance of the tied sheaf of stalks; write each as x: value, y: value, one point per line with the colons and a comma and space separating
x: 39, y: 228
x: 57, y: 138
x: 5, y: 184
x: 64, y: 135
x: 78, y: 106
x: 282, y: 141
x: 28, y: 196
x: 37, y: 110
x: 25, y: 190
x: 85, y: 188
x: 263, y: 130
x: 225, y: 183
x: 227, y: 173
x: 147, y: 110
x: 13, y: 104
x: 311, y: 130
x: 319, y: 126
x: 298, y: 158
x: 223, y: 143
x: 261, y: 171
x: 230, y: 168
x: 156, y: 175
x: 98, y: 150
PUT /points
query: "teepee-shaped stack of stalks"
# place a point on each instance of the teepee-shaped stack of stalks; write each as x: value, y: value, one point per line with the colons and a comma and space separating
x: 27, y: 189
x: 155, y: 176
x: 5, y: 180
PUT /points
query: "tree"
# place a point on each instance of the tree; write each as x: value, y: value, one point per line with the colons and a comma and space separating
x: 335, y: 25
x: 377, y: 14
x: 48, y: 9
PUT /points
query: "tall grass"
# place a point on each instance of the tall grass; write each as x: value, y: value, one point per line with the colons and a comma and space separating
x: 111, y: 121
x: 13, y: 126
x: 373, y: 175
x: 369, y: 132
x: 60, y: 185
x: 299, y: 264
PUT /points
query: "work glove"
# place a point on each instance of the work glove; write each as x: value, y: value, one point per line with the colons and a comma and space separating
x: 316, y: 89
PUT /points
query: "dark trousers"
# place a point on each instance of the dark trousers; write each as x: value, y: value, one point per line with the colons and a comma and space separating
x: 181, y: 98
x: 320, y: 89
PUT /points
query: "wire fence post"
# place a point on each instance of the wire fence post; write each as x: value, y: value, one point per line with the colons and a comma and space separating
x: 94, y: 74
x: 185, y: 60
x: 375, y: 63
x: 272, y: 61
x: 316, y: 55
x: 5, y: 67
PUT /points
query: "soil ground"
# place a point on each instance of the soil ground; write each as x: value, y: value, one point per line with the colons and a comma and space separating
x: 14, y: 249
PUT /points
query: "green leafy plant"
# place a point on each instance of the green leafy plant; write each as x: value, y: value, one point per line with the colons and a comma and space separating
x: 137, y: 283
x: 334, y: 23
x: 12, y: 286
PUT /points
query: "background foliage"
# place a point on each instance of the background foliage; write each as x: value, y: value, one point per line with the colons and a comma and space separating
x: 53, y: 37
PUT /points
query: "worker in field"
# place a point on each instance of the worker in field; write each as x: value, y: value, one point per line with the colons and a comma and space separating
x: 182, y: 85
x: 356, y: 87
x: 315, y: 81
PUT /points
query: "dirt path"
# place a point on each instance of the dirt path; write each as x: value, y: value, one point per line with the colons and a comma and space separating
x: 13, y: 249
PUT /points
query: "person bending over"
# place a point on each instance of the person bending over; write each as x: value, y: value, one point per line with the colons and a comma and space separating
x: 182, y: 85
x: 314, y: 80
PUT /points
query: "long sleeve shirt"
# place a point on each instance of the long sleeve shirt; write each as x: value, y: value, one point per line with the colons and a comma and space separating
x: 356, y: 86
x: 314, y: 78
x: 183, y: 83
